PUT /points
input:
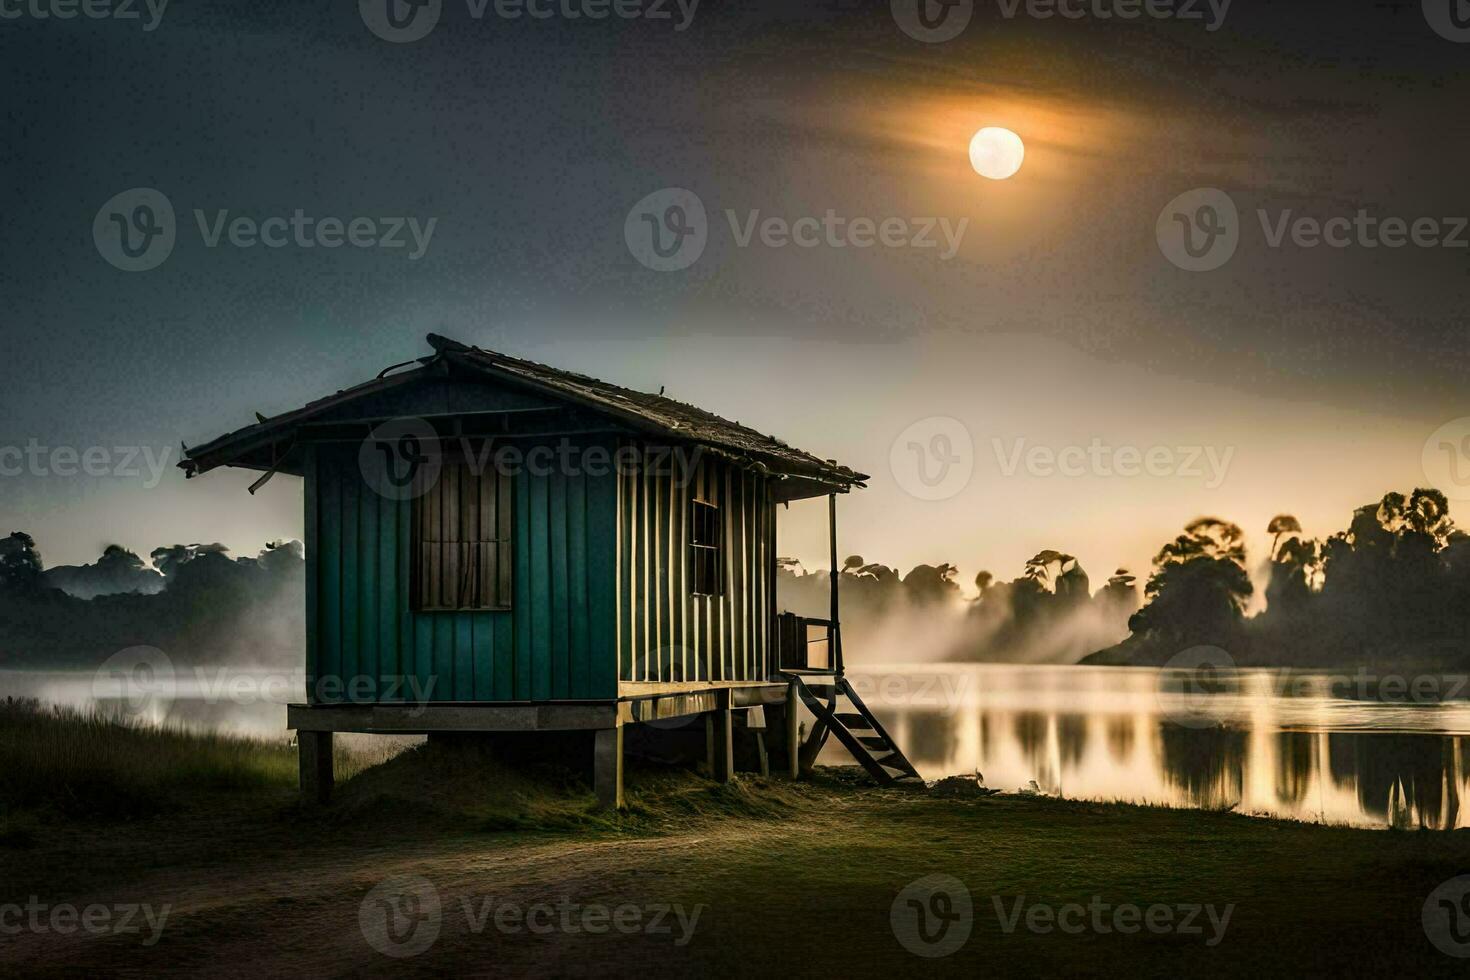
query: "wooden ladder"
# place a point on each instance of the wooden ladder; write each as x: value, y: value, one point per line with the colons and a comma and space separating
x: 855, y: 727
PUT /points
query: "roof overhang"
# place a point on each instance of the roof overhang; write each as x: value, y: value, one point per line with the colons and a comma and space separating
x: 277, y: 445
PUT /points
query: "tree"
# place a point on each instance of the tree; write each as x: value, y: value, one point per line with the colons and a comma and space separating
x: 931, y: 583
x: 1073, y: 586
x: 1199, y: 588
x: 1282, y: 524
x: 1039, y: 567
x: 1207, y: 537
x: 983, y: 581
x: 1120, y: 596
x: 1200, y: 600
x: 117, y: 571
x: 1428, y: 513
x: 20, y: 563
x: 1293, y: 570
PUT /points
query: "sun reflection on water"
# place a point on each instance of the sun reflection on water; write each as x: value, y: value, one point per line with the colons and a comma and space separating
x: 1308, y: 747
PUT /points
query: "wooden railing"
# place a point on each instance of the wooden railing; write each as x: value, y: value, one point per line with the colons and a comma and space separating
x: 804, y: 643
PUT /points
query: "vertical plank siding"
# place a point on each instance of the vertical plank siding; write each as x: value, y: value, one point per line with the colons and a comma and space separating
x: 601, y: 662
x: 559, y: 640
x: 312, y: 530
x: 665, y: 633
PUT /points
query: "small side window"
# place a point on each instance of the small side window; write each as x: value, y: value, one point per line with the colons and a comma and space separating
x: 704, y: 548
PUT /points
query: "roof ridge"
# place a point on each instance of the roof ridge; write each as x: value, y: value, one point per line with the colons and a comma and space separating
x: 654, y: 412
x: 448, y: 345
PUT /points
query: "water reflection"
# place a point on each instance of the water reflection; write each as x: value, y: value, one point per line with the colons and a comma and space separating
x: 1120, y: 737
x: 1308, y: 747
x: 931, y: 736
x: 1206, y: 765
x: 1071, y: 738
x: 1402, y: 779
x: 1296, y: 760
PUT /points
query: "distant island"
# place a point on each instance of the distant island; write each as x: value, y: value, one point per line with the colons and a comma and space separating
x: 1391, y: 592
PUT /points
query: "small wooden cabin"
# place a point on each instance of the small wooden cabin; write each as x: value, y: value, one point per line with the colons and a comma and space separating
x: 494, y: 545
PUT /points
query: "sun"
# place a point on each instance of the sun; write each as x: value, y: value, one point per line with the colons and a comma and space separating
x: 996, y: 153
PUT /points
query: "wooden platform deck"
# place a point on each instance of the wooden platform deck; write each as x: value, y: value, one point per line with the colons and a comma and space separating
x: 637, y: 703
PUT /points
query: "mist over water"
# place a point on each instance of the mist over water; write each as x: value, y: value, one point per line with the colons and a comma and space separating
x: 235, y: 701
x: 923, y: 617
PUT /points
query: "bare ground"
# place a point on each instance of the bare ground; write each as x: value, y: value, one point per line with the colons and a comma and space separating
x: 263, y: 888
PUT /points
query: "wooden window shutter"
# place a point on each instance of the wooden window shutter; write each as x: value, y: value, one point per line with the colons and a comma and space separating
x: 461, y: 544
x: 704, y: 549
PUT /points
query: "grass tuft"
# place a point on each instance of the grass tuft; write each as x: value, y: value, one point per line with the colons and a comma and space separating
x: 97, y: 767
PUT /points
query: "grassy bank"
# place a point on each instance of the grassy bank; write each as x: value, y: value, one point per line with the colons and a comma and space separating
x: 58, y: 763
x: 88, y: 766
x: 792, y: 878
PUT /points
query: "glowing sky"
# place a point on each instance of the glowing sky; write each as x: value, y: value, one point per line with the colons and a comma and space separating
x: 1057, y: 322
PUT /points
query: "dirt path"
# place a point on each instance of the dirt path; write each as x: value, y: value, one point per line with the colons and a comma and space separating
x: 808, y: 893
x: 295, y: 910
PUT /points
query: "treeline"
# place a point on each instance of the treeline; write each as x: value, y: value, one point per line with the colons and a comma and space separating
x: 194, y: 602
x: 1048, y: 614
x: 1393, y: 588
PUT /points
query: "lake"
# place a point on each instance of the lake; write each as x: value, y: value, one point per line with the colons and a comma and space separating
x: 1344, y: 748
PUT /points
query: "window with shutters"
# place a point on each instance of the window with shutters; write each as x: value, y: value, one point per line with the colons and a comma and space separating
x: 461, y: 542
x: 704, y: 548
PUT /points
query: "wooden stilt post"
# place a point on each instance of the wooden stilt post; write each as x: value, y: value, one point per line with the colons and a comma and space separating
x: 793, y: 730
x: 722, y: 740
x: 314, y: 756
x: 834, y: 631
x: 607, y: 767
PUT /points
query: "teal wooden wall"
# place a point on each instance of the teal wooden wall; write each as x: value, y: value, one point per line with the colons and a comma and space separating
x: 665, y: 633
x: 558, y: 641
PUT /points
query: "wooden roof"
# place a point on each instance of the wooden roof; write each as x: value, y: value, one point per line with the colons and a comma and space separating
x: 266, y: 445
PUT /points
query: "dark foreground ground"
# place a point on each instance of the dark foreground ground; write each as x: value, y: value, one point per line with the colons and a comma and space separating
x: 490, y: 873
